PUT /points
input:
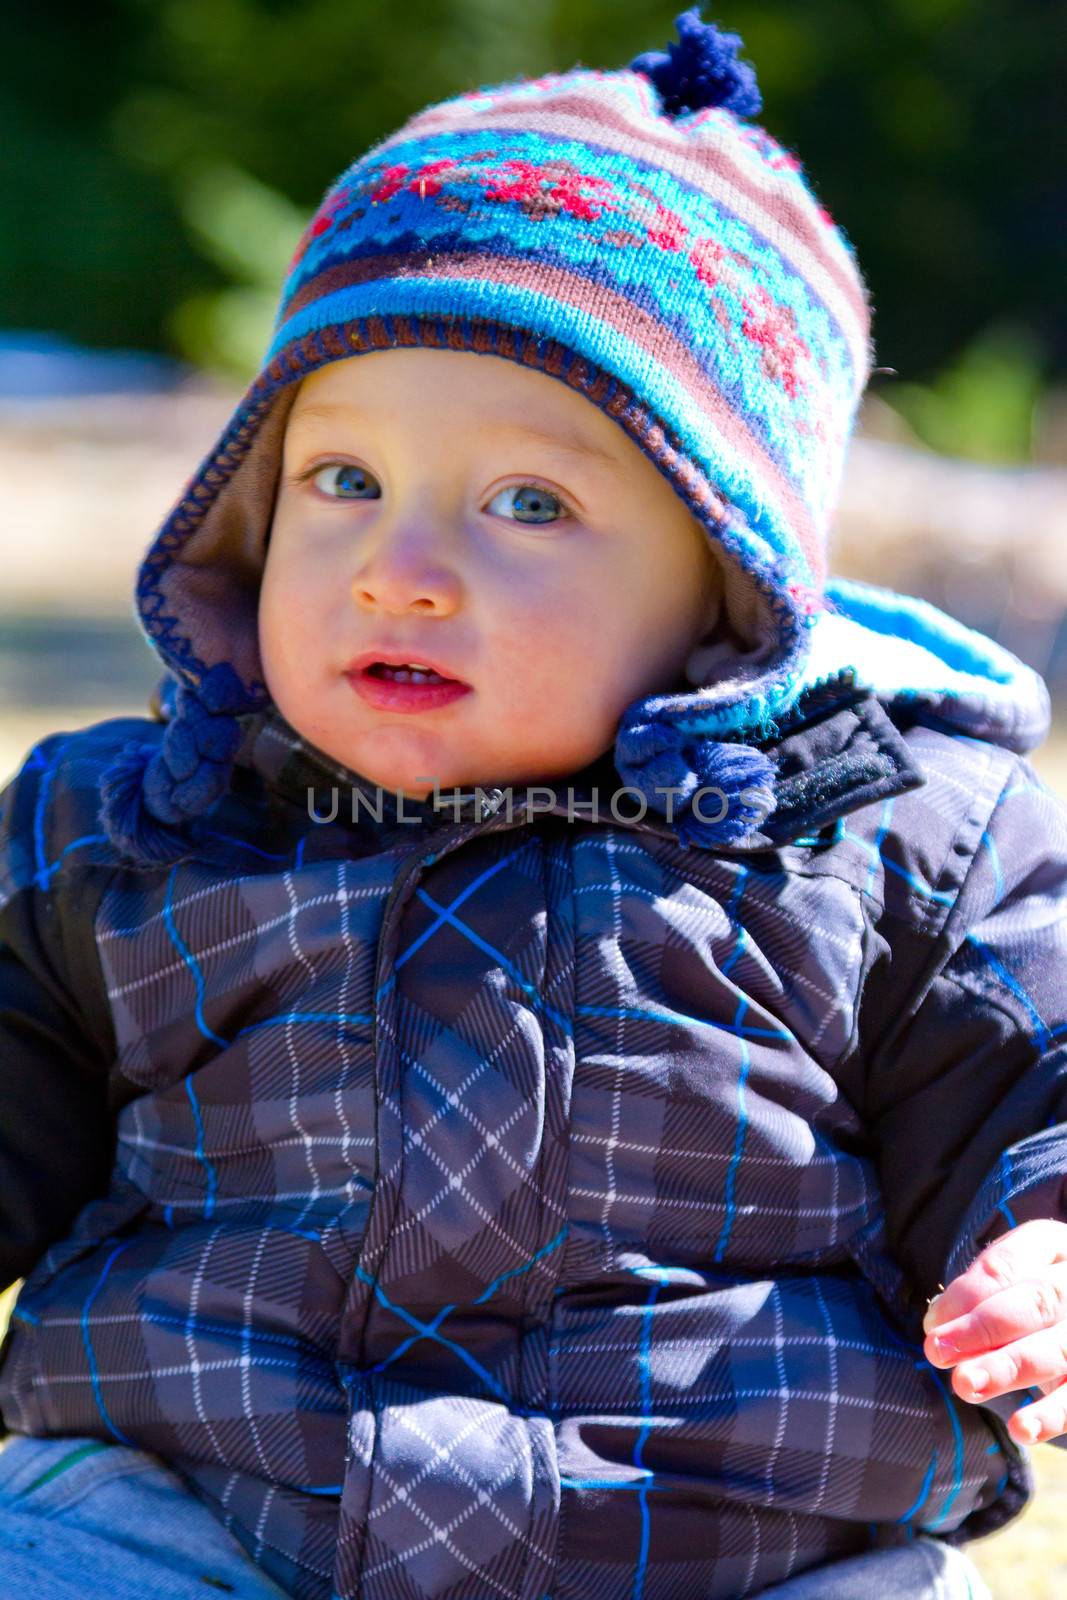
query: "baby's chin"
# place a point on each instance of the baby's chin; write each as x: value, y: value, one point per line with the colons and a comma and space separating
x: 410, y: 760
x: 418, y: 784
x: 415, y: 774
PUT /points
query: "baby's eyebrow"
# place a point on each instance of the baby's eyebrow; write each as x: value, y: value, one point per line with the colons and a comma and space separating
x: 520, y: 431
x: 582, y: 449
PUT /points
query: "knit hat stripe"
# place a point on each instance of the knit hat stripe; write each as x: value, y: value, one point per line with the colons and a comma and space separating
x: 791, y: 263
x: 644, y: 356
x: 685, y: 312
x: 801, y: 232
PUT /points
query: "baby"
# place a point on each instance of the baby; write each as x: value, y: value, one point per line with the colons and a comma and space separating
x: 497, y: 1067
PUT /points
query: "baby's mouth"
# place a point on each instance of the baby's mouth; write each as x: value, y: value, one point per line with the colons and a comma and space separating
x: 413, y: 686
x: 411, y: 672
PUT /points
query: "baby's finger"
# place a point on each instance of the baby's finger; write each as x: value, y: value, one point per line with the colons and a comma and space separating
x: 1026, y: 1251
x: 1040, y: 1358
x: 1025, y: 1307
x: 1042, y: 1419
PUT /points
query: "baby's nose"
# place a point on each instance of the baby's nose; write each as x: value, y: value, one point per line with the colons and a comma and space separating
x: 406, y: 574
x: 373, y: 601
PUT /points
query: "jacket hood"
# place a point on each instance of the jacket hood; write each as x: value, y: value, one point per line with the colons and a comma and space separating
x: 914, y: 655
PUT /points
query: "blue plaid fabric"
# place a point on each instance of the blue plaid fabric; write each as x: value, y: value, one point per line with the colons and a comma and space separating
x: 526, y: 1207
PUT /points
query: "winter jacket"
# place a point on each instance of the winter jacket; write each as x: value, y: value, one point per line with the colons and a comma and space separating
x: 504, y: 1205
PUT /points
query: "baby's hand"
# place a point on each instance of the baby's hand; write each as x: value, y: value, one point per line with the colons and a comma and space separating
x: 1009, y: 1308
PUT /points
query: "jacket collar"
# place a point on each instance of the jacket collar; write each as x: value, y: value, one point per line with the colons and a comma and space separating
x: 835, y: 749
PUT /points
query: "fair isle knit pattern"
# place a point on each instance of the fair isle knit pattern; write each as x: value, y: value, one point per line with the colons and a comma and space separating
x: 674, y: 267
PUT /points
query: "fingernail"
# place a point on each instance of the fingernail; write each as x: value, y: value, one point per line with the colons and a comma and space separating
x: 1029, y: 1427
x: 945, y: 1349
x: 979, y: 1379
x: 930, y: 1320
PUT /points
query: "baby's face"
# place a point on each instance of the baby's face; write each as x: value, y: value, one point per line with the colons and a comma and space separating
x: 475, y: 515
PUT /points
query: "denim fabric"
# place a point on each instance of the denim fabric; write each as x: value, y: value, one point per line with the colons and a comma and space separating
x: 927, y: 1569
x: 80, y: 1518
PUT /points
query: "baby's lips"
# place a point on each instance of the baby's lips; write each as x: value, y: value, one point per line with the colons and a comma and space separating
x: 397, y: 657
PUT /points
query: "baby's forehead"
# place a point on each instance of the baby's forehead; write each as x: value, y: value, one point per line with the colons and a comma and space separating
x: 457, y: 393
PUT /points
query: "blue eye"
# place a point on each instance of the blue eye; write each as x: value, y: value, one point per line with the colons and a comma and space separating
x: 356, y: 479
x: 531, y: 503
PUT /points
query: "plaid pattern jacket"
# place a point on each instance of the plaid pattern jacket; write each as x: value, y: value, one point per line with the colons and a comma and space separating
x: 523, y: 1205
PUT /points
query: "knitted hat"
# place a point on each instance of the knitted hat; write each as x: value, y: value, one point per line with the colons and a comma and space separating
x: 629, y: 234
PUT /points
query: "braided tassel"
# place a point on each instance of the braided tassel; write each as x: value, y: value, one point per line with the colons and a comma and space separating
x: 154, y: 794
x: 654, y: 755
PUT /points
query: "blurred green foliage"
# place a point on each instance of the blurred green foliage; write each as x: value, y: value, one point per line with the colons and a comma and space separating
x: 161, y: 157
x: 982, y: 405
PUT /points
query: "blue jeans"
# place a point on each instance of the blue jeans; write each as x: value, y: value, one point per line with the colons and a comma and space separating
x: 80, y: 1518
x: 926, y: 1569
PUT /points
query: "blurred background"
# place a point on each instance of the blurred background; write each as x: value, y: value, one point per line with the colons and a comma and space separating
x: 162, y: 157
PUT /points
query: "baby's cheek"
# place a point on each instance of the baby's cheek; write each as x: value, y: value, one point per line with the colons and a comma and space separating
x: 526, y: 650
x: 547, y: 704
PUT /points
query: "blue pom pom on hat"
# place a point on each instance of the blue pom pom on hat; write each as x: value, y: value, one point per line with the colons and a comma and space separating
x: 701, y: 70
